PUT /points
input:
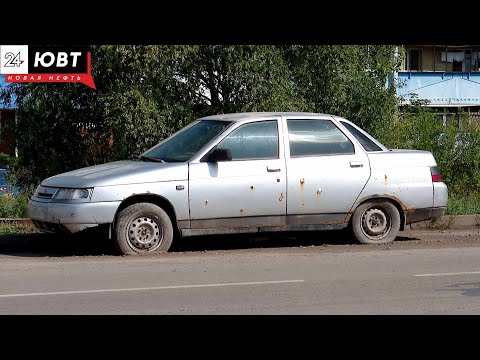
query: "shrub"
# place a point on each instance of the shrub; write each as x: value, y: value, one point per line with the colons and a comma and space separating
x: 455, y: 145
x: 13, y: 207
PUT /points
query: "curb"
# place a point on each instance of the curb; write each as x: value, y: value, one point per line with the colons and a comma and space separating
x: 17, y: 221
x: 449, y: 222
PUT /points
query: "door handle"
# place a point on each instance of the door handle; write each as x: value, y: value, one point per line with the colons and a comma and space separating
x: 356, y: 164
x: 272, y: 170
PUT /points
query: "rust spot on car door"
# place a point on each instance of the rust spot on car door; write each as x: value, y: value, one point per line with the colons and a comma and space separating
x: 302, y: 195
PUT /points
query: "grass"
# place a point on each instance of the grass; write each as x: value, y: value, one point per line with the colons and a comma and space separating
x: 463, y: 204
x: 16, y: 228
x: 13, y: 206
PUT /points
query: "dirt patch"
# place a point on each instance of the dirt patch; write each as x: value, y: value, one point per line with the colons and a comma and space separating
x: 44, y: 245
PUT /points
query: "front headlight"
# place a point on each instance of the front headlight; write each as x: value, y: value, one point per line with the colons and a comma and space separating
x: 73, y: 194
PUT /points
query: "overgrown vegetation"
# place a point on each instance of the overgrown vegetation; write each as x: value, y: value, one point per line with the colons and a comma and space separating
x: 463, y: 204
x: 13, y: 206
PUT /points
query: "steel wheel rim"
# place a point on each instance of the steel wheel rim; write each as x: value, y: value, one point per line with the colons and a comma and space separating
x: 144, y: 234
x: 376, y: 223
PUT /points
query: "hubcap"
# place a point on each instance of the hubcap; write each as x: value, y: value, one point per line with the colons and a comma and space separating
x: 375, y: 223
x: 144, y: 234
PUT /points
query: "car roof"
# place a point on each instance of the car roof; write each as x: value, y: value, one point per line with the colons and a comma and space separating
x: 248, y: 115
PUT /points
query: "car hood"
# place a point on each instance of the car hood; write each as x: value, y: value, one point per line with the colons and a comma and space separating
x: 118, y: 173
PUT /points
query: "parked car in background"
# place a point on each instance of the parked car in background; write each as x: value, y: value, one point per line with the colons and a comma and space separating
x: 246, y: 173
x: 6, y: 187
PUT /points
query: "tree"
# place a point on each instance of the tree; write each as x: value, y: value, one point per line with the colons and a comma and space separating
x: 346, y: 80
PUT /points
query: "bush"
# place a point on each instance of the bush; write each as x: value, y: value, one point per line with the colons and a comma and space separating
x: 463, y: 204
x: 13, y: 207
x: 456, y: 145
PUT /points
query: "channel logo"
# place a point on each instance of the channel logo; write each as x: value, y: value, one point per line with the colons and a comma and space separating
x: 25, y: 63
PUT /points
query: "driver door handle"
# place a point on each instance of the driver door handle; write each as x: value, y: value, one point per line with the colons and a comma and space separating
x: 273, y: 169
x: 356, y: 164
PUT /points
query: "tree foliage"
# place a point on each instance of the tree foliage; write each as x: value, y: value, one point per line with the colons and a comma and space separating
x: 145, y: 93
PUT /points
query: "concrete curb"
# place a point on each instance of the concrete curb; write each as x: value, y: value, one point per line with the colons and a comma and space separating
x: 449, y: 222
x: 18, y: 221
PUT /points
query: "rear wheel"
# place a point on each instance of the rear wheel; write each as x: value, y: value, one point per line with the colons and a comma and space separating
x: 143, y: 228
x: 376, y: 222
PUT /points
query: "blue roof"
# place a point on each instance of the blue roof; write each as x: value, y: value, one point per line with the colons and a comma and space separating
x: 442, y: 89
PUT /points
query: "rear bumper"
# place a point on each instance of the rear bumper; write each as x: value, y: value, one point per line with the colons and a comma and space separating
x: 440, y: 194
x: 417, y: 215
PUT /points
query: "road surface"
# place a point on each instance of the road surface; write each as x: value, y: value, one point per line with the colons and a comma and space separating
x: 423, y: 272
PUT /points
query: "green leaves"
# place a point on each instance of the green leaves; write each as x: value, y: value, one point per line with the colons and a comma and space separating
x: 455, y: 145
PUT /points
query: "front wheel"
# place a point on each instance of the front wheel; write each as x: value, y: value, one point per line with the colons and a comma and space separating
x: 143, y: 228
x: 376, y: 222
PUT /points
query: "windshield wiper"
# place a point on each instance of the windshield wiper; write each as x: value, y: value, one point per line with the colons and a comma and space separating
x: 147, y: 158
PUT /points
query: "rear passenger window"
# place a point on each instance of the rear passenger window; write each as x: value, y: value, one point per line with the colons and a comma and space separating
x: 317, y: 137
x: 366, y: 143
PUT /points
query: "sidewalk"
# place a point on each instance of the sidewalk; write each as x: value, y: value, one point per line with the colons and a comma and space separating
x: 449, y: 222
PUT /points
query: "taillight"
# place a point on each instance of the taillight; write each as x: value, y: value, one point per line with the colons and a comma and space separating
x: 436, y: 176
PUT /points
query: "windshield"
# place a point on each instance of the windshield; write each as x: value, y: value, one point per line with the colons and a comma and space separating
x: 184, y: 144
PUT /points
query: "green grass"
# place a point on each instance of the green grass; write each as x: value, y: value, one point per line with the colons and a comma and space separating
x: 463, y: 204
x: 13, y: 207
x: 16, y: 228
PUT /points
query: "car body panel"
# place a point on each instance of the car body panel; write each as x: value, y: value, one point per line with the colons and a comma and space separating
x: 404, y: 175
x: 243, y: 193
x: 119, y: 173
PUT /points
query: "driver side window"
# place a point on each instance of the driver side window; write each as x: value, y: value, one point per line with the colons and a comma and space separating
x: 257, y: 140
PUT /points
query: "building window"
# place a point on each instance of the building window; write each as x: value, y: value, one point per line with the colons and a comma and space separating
x: 414, y: 59
x: 475, y: 60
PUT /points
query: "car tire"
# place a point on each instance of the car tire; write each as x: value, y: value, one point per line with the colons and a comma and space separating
x: 143, y: 228
x: 376, y: 222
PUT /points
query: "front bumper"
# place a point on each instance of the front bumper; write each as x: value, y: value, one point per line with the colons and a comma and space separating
x: 66, y: 217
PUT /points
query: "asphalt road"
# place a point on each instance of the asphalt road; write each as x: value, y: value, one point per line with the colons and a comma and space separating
x: 423, y: 272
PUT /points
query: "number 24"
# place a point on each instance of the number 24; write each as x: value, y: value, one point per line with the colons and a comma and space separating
x: 12, y: 59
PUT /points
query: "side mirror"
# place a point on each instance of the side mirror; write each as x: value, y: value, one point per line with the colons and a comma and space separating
x: 218, y: 154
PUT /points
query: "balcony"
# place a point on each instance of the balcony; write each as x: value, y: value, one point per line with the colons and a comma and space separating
x: 444, y: 89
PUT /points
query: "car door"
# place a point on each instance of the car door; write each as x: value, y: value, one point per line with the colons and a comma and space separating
x: 247, y: 191
x: 326, y: 171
